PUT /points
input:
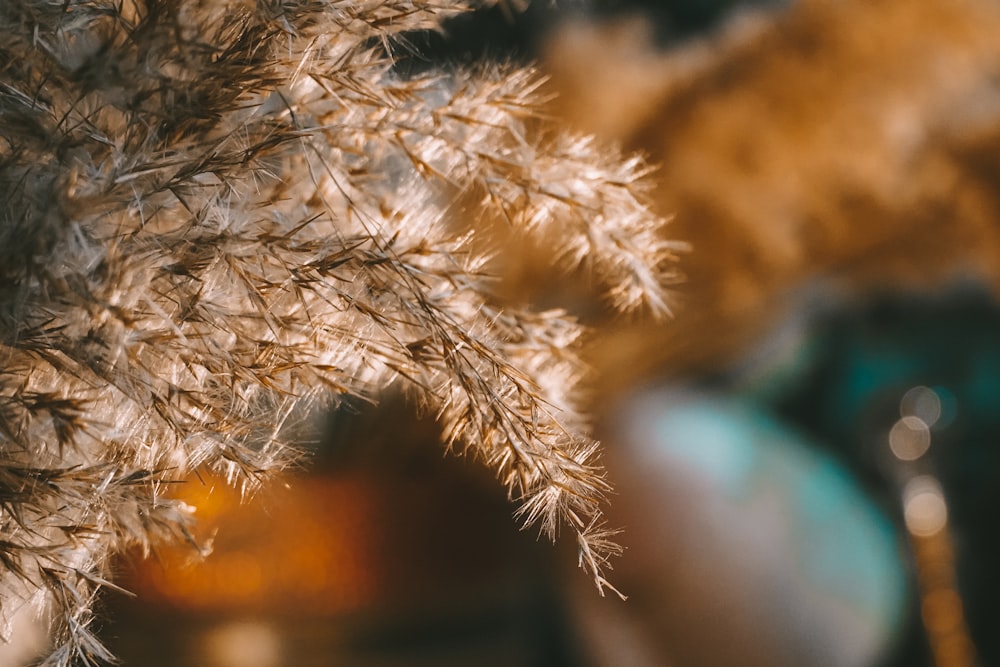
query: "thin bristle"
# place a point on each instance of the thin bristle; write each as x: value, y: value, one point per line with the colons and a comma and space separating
x: 217, y: 213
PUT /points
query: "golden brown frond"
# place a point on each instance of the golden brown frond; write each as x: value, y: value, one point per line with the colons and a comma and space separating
x: 215, y: 212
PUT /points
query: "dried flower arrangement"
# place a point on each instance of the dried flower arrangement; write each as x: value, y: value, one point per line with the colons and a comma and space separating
x: 217, y: 213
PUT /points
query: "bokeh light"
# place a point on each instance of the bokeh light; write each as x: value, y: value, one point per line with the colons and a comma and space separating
x: 910, y: 438
x: 924, y: 506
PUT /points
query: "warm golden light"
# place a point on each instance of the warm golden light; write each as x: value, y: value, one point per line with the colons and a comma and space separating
x: 310, y: 549
x: 941, y: 610
x: 941, y: 607
x: 243, y: 644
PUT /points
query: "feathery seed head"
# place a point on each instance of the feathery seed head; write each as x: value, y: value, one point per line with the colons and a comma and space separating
x: 215, y: 214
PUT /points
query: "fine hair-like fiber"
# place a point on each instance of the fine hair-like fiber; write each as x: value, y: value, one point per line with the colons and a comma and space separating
x: 217, y: 213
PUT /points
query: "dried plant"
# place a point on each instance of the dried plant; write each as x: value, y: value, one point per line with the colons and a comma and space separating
x: 218, y: 212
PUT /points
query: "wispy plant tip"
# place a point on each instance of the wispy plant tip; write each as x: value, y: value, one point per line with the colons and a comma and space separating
x: 215, y: 212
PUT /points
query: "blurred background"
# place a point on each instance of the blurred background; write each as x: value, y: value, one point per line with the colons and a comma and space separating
x: 805, y: 458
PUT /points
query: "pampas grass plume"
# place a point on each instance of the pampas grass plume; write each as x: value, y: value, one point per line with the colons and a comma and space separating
x: 215, y: 214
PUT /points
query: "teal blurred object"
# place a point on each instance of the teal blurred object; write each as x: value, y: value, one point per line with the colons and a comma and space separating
x: 841, y: 544
x: 846, y: 396
x: 765, y: 533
